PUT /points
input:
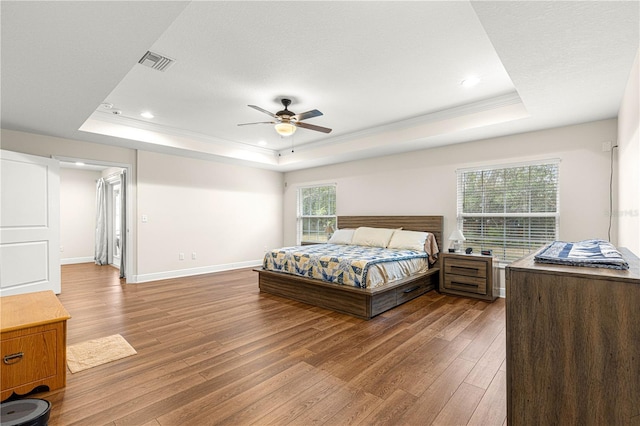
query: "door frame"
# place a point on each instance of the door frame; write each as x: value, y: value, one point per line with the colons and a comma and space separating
x: 112, y: 181
x: 129, y: 213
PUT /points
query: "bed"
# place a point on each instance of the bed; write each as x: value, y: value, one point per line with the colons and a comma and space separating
x: 360, y: 302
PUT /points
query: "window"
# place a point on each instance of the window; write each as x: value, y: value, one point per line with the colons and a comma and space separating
x: 316, y: 213
x: 511, y: 211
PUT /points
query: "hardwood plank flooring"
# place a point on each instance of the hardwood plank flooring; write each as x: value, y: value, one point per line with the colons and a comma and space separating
x: 213, y: 350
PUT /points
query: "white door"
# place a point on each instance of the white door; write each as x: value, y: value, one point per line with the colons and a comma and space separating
x: 29, y: 223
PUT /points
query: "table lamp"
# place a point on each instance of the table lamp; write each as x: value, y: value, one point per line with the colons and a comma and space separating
x: 457, y: 238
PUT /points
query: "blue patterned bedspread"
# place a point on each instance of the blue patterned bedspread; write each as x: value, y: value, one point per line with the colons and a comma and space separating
x: 336, y: 263
x: 592, y: 253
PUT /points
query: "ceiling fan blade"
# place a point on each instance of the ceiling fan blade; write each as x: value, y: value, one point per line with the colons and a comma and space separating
x: 259, y: 122
x: 308, y: 114
x: 263, y: 110
x: 314, y: 127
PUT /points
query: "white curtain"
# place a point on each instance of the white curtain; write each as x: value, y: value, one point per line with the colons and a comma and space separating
x: 101, y: 248
x: 123, y: 222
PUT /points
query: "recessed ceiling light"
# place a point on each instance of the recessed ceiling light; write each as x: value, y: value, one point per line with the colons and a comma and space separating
x: 106, y: 105
x: 79, y: 163
x: 147, y: 114
x: 262, y: 143
x: 470, y: 81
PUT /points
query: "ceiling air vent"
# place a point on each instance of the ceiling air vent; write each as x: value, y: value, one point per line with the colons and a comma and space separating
x: 156, y: 61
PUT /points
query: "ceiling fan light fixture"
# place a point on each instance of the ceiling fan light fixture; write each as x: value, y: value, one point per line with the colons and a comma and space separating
x: 286, y: 122
x: 285, y: 129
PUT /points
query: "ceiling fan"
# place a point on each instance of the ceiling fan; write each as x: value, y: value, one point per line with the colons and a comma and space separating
x: 287, y: 121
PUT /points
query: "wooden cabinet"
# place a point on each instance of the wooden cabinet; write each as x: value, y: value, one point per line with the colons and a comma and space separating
x: 33, y: 338
x: 469, y: 275
x: 573, y: 344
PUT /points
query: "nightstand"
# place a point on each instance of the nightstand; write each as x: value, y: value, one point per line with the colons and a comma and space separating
x: 33, y: 336
x: 470, y: 275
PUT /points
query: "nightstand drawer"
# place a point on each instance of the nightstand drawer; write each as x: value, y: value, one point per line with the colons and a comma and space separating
x: 28, y: 358
x: 469, y: 268
x: 465, y: 283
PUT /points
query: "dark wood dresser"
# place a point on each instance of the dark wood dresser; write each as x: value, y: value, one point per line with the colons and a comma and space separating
x: 573, y: 344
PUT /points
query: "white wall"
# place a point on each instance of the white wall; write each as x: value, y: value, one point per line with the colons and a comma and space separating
x: 424, y: 182
x: 228, y: 215
x: 77, y: 215
x: 628, y: 206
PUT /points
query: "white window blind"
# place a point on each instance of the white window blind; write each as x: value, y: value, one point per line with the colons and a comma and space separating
x: 510, y: 210
x: 316, y: 213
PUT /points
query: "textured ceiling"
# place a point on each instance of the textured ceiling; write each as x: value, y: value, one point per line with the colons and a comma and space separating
x: 386, y: 75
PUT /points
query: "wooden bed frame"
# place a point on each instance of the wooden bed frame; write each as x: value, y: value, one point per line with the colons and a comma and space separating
x: 360, y: 302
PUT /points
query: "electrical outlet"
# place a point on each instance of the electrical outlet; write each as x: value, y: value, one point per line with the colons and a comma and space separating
x: 145, y: 219
x: 181, y: 256
x: 193, y: 255
x: 61, y: 249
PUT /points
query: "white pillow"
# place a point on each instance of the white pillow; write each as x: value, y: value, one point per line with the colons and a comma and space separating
x: 342, y: 236
x: 408, y: 240
x: 372, y: 237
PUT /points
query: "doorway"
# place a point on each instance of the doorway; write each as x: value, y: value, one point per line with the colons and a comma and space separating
x: 118, y: 237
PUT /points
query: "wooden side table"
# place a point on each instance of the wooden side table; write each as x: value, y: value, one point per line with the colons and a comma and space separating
x: 33, y: 342
x: 470, y: 275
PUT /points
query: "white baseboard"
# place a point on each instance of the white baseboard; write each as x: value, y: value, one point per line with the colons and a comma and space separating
x: 143, y: 278
x: 73, y: 260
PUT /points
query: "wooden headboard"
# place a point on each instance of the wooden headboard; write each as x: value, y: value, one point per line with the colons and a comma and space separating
x: 433, y: 224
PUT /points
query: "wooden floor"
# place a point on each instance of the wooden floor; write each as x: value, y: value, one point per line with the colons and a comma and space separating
x: 213, y: 350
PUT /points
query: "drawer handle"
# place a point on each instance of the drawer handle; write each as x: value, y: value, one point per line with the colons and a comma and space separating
x: 13, y: 358
x: 409, y: 290
x: 464, y: 284
x: 465, y: 268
